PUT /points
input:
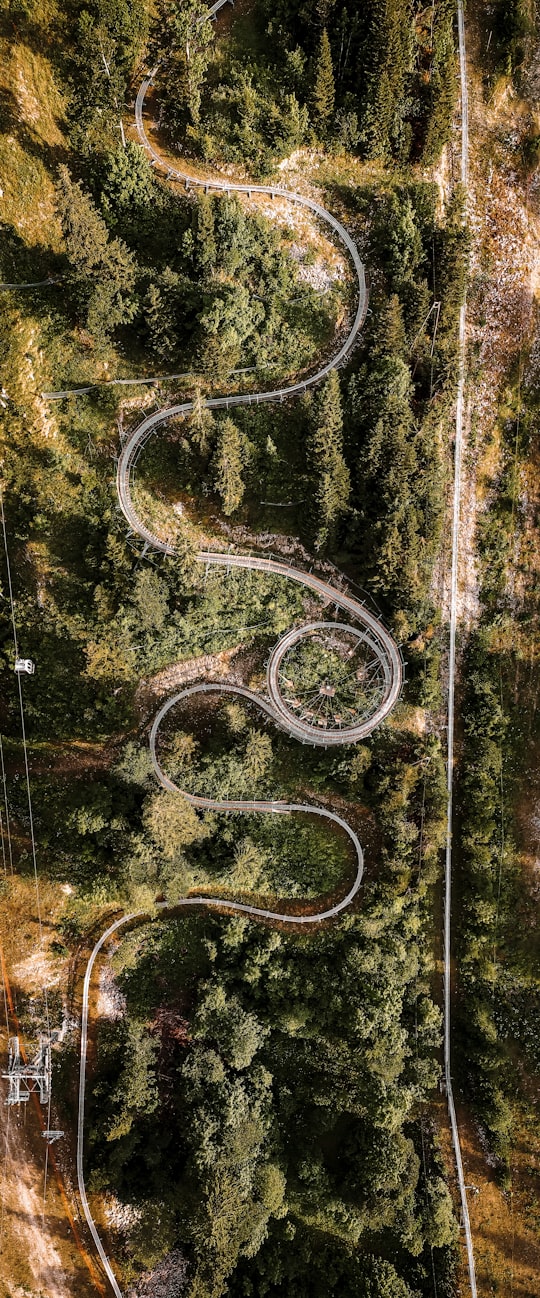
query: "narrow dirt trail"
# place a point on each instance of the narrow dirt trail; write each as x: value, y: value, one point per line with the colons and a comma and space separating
x: 39, y: 1257
x: 30, y: 1260
x: 40, y: 1243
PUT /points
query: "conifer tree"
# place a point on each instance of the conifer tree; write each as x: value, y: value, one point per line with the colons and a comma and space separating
x: 258, y: 755
x: 192, y: 37
x: 391, y: 48
x: 128, y: 185
x: 205, y: 244
x: 103, y: 270
x: 323, y: 86
x: 160, y: 314
x: 201, y: 423
x: 442, y: 90
x: 229, y: 461
x: 328, y: 471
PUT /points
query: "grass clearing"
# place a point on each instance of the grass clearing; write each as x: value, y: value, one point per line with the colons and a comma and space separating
x: 32, y: 142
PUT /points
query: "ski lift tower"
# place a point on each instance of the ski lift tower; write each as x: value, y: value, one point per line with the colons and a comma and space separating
x: 27, y: 1075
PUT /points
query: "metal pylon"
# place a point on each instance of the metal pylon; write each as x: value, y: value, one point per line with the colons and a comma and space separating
x: 26, y: 1076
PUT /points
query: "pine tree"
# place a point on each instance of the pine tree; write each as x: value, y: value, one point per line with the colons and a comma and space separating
x: 229, y: 461
x: 205, y: 243
x: 442, y: 90
x: 201, y: 423
x: 390, y: 44
x: 328, y: 471
x: 161, y: 312
x: 323, y: 87
x: 103, y: 270
x: 128, y: 185
x: 390, y: 483
x: 389, y: 330
x: 258, y: 755
x: 192, y: 37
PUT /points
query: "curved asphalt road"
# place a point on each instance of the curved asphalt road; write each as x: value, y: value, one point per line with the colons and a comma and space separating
x: 372, y: 632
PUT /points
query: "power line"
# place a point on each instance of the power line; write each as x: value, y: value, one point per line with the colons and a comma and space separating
x: 31, y: 815
x: 456, y: 512
x: 4, y: 1186
x: 4, y: 785
x: 8, y: 572
x: 6, y: 1147
x: 4, y: 862
x: 29, y: 799
x: 23, y: 727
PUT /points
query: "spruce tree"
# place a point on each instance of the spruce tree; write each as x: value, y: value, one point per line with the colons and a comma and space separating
x: 323, y: 87
x: 192, y: 37
x: 103, y: 270
x: 229, y: 461
x: 326, y: 464
x: 205, y: 243
x: 201, y: 423
x: 390, y: 46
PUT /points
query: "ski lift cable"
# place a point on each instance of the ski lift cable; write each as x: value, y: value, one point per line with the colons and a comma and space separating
x: 46, y: 1171
x: 30, y: 813
x: 6, y: 1146
x: 4, y: 1181
x: 25, y: 753
x: 6, y: 1010
x: 4, y: 785
x: 2, y: 840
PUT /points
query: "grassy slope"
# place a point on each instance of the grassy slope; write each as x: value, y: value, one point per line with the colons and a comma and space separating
x: 31, y: 138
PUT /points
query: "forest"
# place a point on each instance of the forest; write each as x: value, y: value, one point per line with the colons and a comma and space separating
x: 263, y: 1103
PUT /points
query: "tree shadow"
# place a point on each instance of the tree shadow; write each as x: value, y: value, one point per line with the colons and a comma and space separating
x: 21, y: 262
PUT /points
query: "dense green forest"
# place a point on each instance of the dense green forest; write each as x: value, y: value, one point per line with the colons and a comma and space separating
x: 378, y: 79
x: 290, y: 1070
x: 263, y: 1103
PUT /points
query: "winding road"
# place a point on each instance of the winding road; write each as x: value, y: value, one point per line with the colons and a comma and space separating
x: 360, y: 621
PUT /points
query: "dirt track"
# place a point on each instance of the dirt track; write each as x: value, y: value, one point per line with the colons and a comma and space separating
x: 30, y: 1261
x: 39, y: 1255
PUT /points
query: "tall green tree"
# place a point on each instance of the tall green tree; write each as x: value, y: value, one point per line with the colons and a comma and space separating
x: 103, y: 270
x: 258, y: 755
x: 329, y: 475
x: 201, y: 423
x: 388, y: 492
x: 390, y: 45
x: 128, y: 183
x: 442, y: 86
x: 192, y: 36
x: 205, y: 243
x: 160, y: 315
x: 323, y: 86
x: 229, y: 461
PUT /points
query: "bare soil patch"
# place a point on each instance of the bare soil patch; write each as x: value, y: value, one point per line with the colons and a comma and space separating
x: 39, y: 1254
